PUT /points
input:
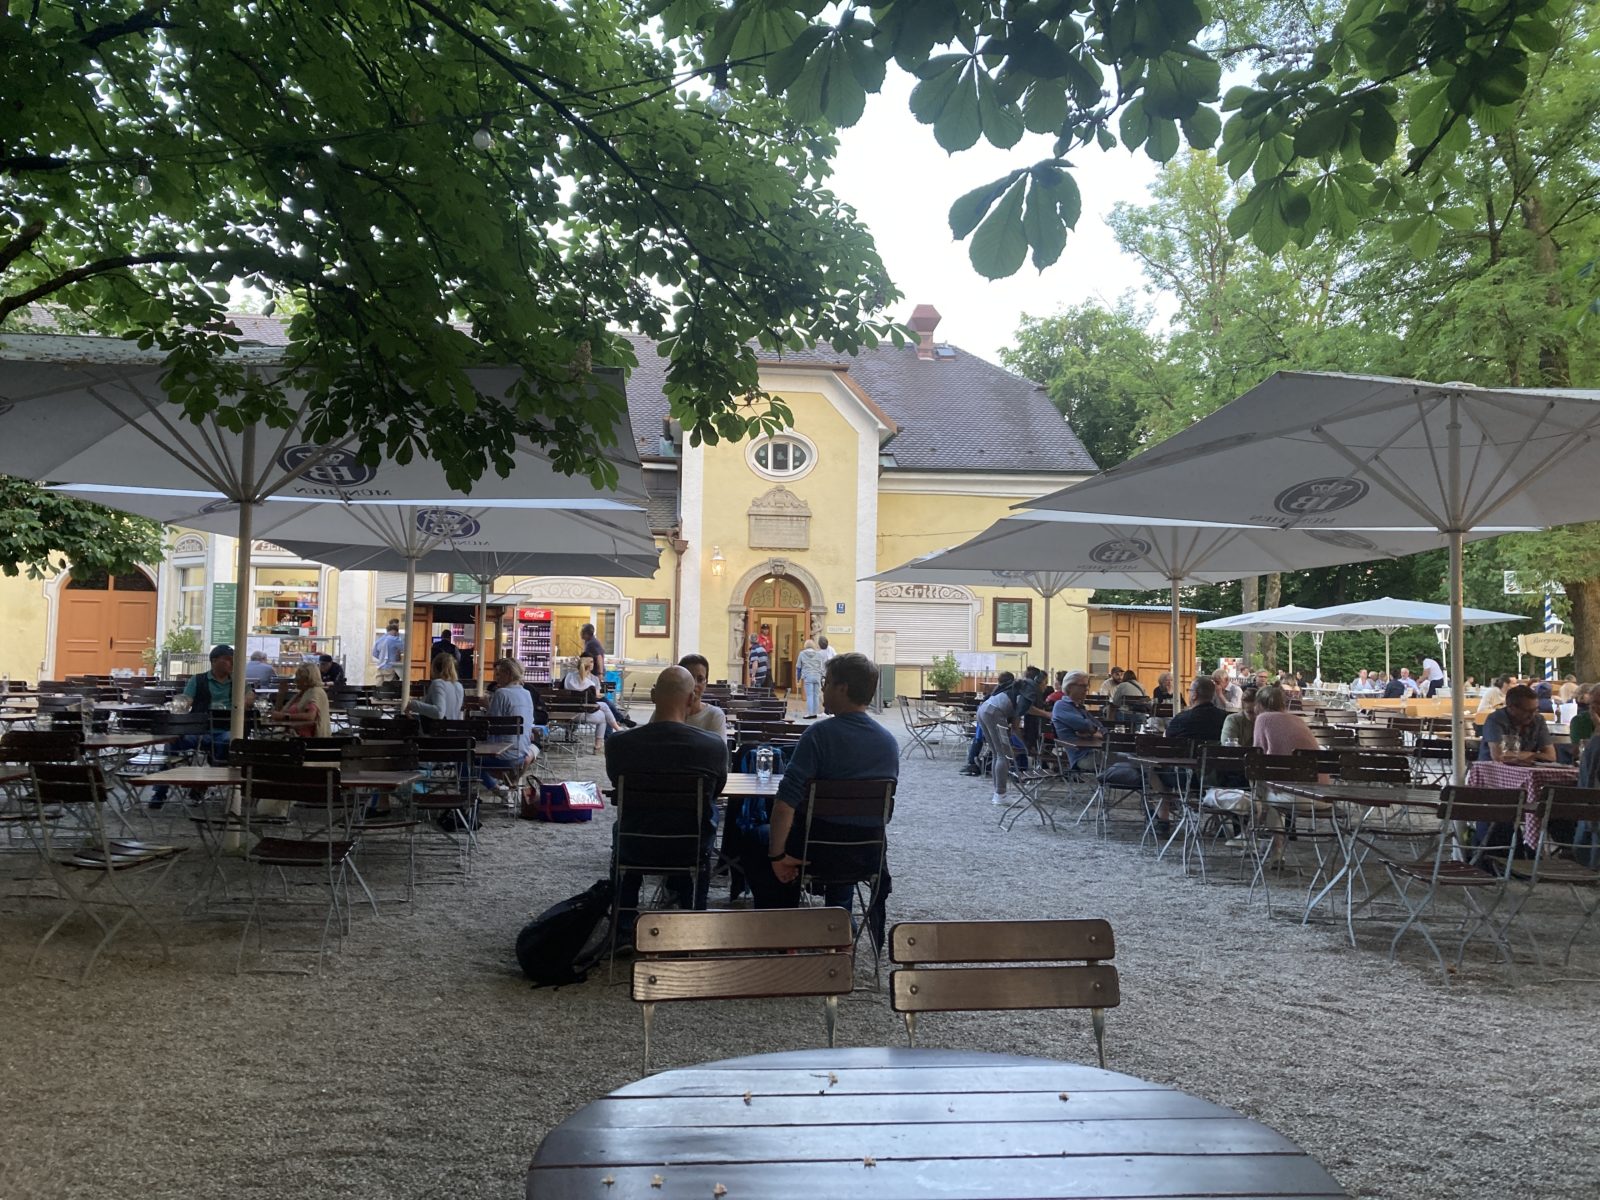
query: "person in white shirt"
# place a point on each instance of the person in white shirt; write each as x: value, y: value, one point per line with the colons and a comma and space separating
x: 822, y: 644
x: 1432, y: 677
x: 1408, y: 683
x: 700, y: 714
x: 1362, y: 683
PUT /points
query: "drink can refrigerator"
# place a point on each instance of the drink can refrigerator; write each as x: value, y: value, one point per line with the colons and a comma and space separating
x: 535, y: 643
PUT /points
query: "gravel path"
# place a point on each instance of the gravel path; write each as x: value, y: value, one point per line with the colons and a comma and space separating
x: 421, y: 1065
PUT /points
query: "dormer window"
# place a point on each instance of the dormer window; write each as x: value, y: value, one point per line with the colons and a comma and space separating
x: 785, y: 456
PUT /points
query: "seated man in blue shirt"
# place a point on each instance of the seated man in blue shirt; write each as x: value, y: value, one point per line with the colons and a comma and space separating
x: 1072, y: 722
x: 851, y: 745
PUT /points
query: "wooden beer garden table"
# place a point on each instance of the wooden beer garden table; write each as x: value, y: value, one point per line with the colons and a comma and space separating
x: 910, y: 1124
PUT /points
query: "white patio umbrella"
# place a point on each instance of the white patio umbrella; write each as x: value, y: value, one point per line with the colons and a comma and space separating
x: 1352, y: 452
x: 1087, y: 549
x: 1388, y: 616
x: 529, y: 536
x: 85, y: 410
x: 1287, y: 619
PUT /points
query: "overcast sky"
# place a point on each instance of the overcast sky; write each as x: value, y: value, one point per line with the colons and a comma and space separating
x: 902, y: 184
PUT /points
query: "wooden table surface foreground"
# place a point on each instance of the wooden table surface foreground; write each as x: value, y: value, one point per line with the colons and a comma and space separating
x: 911, y: 1124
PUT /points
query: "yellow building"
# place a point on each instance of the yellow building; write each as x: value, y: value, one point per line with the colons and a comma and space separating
x: 895, y: 452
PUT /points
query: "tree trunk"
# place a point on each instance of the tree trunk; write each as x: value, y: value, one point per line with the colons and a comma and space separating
x: 1274, y: 598
x: 1250, y: 601
x: 1554, y: 366
x: 1583, y: 595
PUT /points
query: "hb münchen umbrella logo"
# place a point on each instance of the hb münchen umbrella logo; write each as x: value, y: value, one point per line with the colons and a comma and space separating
x: 1120, y: 551
x: 1315, y: 497
x: 449, y: 523
x: 333, y: 468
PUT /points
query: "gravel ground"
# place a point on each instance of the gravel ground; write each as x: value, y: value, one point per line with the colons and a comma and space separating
x: 421, y: 1065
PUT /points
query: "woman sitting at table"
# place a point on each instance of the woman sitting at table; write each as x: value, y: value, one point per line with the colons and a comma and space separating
x: 580, y: 678
x: 445, y: 696
x: 306, y: 713
x: 1494, y: 695
x: 509, y: 699
x: 1278, y: 731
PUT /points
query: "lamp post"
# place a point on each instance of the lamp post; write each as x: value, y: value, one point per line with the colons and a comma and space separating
x: 718, y: 563
x: 1316, y: 640
x: 1442, y: 632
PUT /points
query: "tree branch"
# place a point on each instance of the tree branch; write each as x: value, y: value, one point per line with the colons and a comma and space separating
x: 20, y: 244
x: 104, y: 266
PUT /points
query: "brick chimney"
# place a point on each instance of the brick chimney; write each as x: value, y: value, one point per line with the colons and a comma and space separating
x: 924, y: 320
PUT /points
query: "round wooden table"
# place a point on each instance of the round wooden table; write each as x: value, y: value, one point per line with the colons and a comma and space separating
x: 909, y: 1124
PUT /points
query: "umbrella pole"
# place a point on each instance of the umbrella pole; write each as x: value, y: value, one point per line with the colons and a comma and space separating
x: 1387, y: 634
x: 483, y: 634
x: 405, y: 642
x: 1290, y: 637
x: 1047, y: 676
x: 1177, y: 650
x: 1458, y: 662
x: 242, y: 593
x: 1458, y: 633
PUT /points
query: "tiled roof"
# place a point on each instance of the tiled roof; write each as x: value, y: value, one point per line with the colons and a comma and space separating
x: 955, y: 412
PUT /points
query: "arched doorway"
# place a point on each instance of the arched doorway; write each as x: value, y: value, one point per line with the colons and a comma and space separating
x: 106, y: 623
x: 777, y: 608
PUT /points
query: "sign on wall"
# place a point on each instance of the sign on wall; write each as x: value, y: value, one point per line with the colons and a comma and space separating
x: 651, y: 618
x: 1013, y: 623
x: 224, y: 628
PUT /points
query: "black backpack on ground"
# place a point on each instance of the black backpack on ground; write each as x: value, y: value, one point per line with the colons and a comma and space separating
x: 565, y: 940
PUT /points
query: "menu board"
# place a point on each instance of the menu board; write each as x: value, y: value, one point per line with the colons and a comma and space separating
x: 1013, y: 622
x: 224, y: 627
x: 651, y: 618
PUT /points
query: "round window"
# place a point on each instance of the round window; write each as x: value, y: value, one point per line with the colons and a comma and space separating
x: 786, y: 456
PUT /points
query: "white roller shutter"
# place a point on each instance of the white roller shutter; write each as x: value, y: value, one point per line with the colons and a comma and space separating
x: 924, y: 628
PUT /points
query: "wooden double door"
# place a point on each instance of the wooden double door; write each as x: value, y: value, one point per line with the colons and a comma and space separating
x: 105, y: 623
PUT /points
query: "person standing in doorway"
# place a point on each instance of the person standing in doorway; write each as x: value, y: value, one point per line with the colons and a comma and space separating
x: 759, y: 660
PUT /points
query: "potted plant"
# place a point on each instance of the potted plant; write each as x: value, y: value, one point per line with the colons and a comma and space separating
x: 181, y: 646
x: 945, y: 674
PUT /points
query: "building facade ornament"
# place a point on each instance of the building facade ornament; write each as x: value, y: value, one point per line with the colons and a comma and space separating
x: 779, y: 520
x: 926, y: 591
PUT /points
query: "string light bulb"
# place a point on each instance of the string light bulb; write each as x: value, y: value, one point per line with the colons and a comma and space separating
x: 484, y: 138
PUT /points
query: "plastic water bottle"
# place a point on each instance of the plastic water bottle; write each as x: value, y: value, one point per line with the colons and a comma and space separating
x: 764, y: 764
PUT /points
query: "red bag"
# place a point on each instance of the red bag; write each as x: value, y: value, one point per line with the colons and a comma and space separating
x: 562, y: 803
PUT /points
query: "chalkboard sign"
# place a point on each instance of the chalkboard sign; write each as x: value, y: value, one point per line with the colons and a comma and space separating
x: 224, y: 628
x: 652, y: 618
x: 1013, y: 622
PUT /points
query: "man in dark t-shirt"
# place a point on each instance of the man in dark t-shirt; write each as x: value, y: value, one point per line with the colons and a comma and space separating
x: 595, y: 651
x: 668, y: 745
x: 1202, y: 720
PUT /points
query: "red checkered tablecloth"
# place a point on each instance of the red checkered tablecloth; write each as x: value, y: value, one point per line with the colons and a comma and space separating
x: 1529, y: 780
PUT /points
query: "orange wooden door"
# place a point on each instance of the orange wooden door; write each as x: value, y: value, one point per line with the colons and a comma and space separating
x: 104, y: 623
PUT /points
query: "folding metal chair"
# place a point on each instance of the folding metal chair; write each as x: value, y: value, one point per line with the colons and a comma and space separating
x: 325, y: 856
x: 446, y: 799
x: 100, y: 875
x: 929, y: 980
x: 663, y: 828
x: 1565, y: 857
x: 924, y: 731
x: 1275, y: 818
x: 1479, y: 875
x: 844, y: 850
x: 743, y: 956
